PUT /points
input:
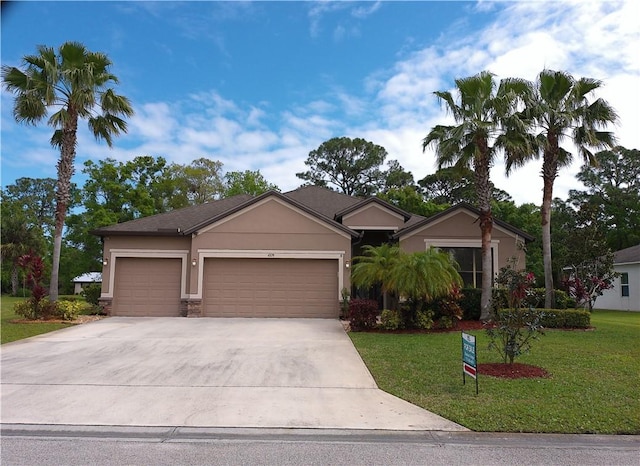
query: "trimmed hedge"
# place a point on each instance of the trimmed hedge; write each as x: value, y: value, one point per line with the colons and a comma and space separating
x: 562, y: 318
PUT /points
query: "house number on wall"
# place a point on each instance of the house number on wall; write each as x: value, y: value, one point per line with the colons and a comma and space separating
x: 271, y: 255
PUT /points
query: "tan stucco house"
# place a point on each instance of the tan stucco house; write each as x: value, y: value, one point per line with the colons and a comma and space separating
x: 274, y: 255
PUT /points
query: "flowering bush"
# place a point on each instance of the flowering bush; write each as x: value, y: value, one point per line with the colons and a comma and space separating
x: 516, y: 327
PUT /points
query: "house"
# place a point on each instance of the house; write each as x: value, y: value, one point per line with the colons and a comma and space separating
x: 274, y: 255
x: 85, y: 279
x: 625, y: 294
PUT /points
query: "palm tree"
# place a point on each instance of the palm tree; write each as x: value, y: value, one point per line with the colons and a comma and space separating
x: 424, y: 276
x: 478, y: 113
x: 74, y: 83
x: 374, y: 267
x: 557, y: 108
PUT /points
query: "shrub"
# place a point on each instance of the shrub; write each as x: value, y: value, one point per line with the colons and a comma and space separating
x: 33, y: 309
x: 68, y: 310
x: 25, y: 309
x: 535, y: 298
x: 391, y: 320
x: 566, y: 318
x: 470, y: 303
x: 363, y: 314
x: 514, y: 331
x: 448, y: 309
x: 559, y: 318
x: 424, y: 319
x: 92, y: 293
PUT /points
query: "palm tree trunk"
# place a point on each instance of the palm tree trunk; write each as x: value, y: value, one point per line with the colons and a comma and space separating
x: 63, y: 196
x: 548, y: 176
x: 483, y: 187
x: 14, y: 279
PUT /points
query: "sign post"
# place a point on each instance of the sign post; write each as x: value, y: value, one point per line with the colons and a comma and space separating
x: 469, y: 363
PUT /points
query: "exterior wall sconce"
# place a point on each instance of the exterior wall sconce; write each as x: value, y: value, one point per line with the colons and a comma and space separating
x: 347, y: 263
x: 194, y: 262
x: 105, y: 261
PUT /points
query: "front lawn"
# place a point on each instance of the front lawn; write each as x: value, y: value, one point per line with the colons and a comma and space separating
x: 11, y: 331
x: 593, y: 388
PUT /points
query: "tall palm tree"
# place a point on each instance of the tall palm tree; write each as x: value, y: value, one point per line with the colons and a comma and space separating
x: 557, y: 108
x: 478, y: 112
x: 374, y: 267
x: 74, y: 84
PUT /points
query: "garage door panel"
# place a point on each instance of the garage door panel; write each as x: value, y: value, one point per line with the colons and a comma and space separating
x: 270, y: 288
x: 147, y: 287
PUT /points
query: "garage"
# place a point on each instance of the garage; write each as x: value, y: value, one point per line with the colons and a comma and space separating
x: 270, y: 288
x: 147, y: 287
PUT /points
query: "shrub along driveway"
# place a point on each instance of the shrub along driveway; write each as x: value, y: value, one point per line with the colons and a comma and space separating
x: 200, y: 372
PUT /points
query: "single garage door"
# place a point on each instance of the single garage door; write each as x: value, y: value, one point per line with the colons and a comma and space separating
x: 270, y: 288
x: 147, y: 287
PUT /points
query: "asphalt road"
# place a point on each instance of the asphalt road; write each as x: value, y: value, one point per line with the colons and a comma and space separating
x: 69, y: 445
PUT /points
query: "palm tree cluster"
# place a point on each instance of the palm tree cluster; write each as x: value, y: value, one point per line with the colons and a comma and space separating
x: 419, y: 276
x: 523, y: 120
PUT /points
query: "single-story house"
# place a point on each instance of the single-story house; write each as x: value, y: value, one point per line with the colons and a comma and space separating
x: 85, y: 279
x: 625, y: 294
x: 274, y: 255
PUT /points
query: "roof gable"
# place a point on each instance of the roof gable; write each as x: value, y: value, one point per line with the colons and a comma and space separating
x: 628, y: 256
x: 446, y: 214
x: 251, y: 203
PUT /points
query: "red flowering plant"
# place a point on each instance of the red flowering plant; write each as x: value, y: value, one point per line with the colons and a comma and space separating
x: 516, y: 327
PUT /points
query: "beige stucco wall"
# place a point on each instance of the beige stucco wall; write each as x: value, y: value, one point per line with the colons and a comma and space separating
x: 148, y: 245
x: 271, y: 226
x: 462, y: 226
x: 373, y: 216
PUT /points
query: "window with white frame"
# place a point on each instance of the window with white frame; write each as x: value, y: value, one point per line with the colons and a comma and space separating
x: 470, y: 261
x: 624, y: 284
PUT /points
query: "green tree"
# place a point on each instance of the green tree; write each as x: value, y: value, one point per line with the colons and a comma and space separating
x: 557, y: 107
x: 613, y: 189
x: 115, y: 192
x: 408, y: 199
x: 353, y: 166
x: 246, y: 182
x: 478, y: 113
x: 74, y: 82
x: 20, y: 235
x: 199, y: 182
x: 35, y: 197
x: 397, y: 177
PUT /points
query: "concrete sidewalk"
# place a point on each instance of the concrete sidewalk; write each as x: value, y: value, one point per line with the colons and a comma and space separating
x: 244, y: 373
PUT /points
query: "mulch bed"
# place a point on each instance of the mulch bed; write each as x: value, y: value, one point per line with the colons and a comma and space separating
x: 512, y: 371
x: 82, y: 319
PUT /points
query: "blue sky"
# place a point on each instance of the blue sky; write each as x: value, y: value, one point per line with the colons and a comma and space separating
x: 259, y: 85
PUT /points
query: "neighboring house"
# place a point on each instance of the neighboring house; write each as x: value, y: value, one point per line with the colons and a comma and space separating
x: 274, y: 255
x: 85, y: 279
x: 625, y: 294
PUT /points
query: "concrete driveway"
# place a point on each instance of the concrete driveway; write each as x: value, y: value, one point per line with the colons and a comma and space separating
x: 271, y: 373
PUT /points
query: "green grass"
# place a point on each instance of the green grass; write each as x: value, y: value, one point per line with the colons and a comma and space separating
x: 593, y: 387
x: 10, y: 331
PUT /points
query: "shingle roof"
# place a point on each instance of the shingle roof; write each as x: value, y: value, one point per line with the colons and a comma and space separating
x: 627, y: 255
x: 176, y: 221
x: 323, y: 203
x: 323, y: 200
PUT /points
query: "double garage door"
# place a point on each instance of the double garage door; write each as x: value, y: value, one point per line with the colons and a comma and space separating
x: 231, y: 288
x: 270, y: 288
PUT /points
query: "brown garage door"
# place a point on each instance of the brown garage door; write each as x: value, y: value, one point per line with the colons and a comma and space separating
x: 270, y: 288
x: 147, y: 287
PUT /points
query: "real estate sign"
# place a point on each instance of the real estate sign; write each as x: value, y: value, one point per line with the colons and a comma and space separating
x: 469, y: 363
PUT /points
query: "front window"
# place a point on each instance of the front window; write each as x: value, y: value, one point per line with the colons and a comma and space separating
x: 470, y: 262
x: 624, y: 284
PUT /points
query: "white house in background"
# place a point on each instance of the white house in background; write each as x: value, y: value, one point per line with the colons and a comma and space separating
x: 625, y: 294
x: 86, y: 279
